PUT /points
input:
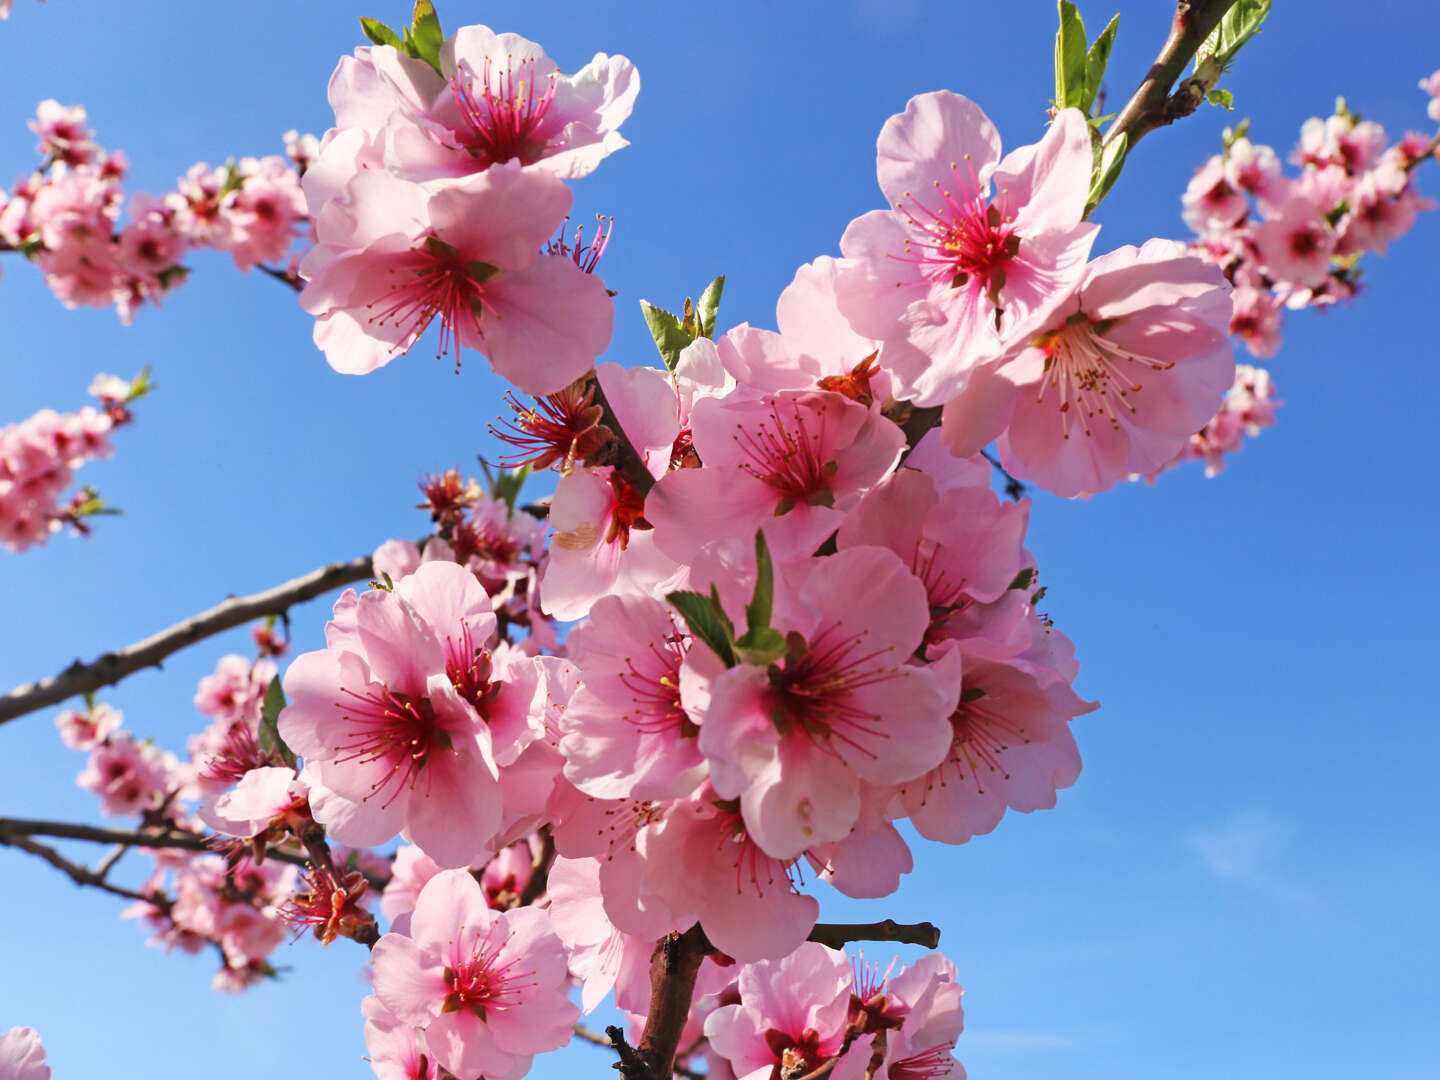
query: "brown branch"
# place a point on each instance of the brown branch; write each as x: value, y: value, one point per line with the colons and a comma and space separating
x: 81, y: 875
x: 539, y: 869
x: 293, y: 280
x: 836, y: 935
x: 65, y: 830
x: 620, y: 451
x: 106, y: 670
x: 1152, y: 105
x: 598, y: 1039
x: 673, y: 968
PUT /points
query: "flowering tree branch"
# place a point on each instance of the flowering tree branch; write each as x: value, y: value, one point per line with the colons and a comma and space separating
x: 1152, y: 105
x: 595, y: 1037
x: 673, y: 968
x: 836, y: 935
x: 110, y: 668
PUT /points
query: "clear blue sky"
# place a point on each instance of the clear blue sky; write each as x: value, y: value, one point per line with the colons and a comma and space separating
x: 1242, y: 883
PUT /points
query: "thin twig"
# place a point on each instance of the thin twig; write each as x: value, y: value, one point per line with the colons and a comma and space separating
x: 1014, y: 488
x: 293, y: 280
x: 1152, y: 105
x: 113, y: 856
x: 620, y: 451
x: 598, y: 1039
x: 539, y: 869
x: 81, y: 875
x: 836, y: 935
x: 106, y: 670
x: 65, y: 830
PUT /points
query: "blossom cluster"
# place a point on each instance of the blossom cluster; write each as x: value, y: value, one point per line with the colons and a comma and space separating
x: 439, y: 193
x: 1296, y: 241
x: 66, y: 215
x: 39, y: 456
x: 1248, y: 409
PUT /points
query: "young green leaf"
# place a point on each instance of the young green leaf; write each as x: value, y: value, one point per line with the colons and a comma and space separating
x: 1096, y: 61
x: 508, y: 485
x: 269, y: 734
x: 1107, y: 171
x: 425, y: 36
x: 381, y: 34
x: 1241, y: 23
x: 709, y: 306
x: 757, y: 612
x: 1069, y: 57
x: 669, y: 335
x: 761, y: 646
x: 1223, y: 98
x: 1023, y: 579
x: 706, y: 621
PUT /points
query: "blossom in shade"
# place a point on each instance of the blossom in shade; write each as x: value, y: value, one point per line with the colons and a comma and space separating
x: 1431, y: 85
x: 952, y: 267
x: 21, y: 1055
x: 627, y: 733
x: 484, y: 988
x: 386, y: 717
x: 392, y: 257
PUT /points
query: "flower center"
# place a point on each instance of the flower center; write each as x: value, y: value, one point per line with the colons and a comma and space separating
x: 392, y: 728
x: 1090, y: 372
x: 468, y: 668
x: 655, y: 683
x: 480, y: 982
x: 434, y: 281
x: 965, y: 241
x: 982, y: 734
x: 505, y: 119
x: 810, y: 691
x: 788, y: 455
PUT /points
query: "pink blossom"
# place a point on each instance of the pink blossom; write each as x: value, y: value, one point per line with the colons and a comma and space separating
x: 236, y: 689
x: 949, y: 272
x: 486, y: 989
x: 1255, y: 170
x: 793, y: 462
x: 500, y: 99
x: 129, y: 777
x: 87, y: 730
x: 602, y: 544
x: 1123, y: 372
x: 791, y: 1018
x: 396, y: 1051
x: 392, y: 256
x: 627, y: 732
x: 794, y: 740
x: 1212, y: 199
x: 262, y: 795
x: 1255, y: 320
x: 602, y: 957
x: 1012, y: 749
x: 62, y: 131
x: 1295, y: 246
x: 386, y: 717
x: 1431, y: 85
x: 21, y: 1055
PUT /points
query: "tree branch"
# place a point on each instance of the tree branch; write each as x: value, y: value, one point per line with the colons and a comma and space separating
x: 293, y: 280
x: 836, y: 935
x: 81, y: 875
x: 106, y: 670
x: 582, y: 1032
x: 14, y: 828
x: 620, y: 451
x: 1152, y: 105
x: 673, y: 968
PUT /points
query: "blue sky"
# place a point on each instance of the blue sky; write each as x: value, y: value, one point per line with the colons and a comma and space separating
x: 1242, y: 881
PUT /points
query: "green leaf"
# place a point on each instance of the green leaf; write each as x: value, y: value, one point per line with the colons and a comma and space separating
x: 1023, y: 579
x: 1107, y: 171
x: 761, y: 646
x: 669, y: 335
x: 381, y: 34
x: 1069, y: 57
x: 425, y: 36
x: 706, y: 621
x: 1223, y: 98
x: 269, y: 736
x: 709, y: 306
x: 757, y: 612
x: 508, y: 485
x: 720, y: 613
x: 1241, y: 23
x: 1096, y: 61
